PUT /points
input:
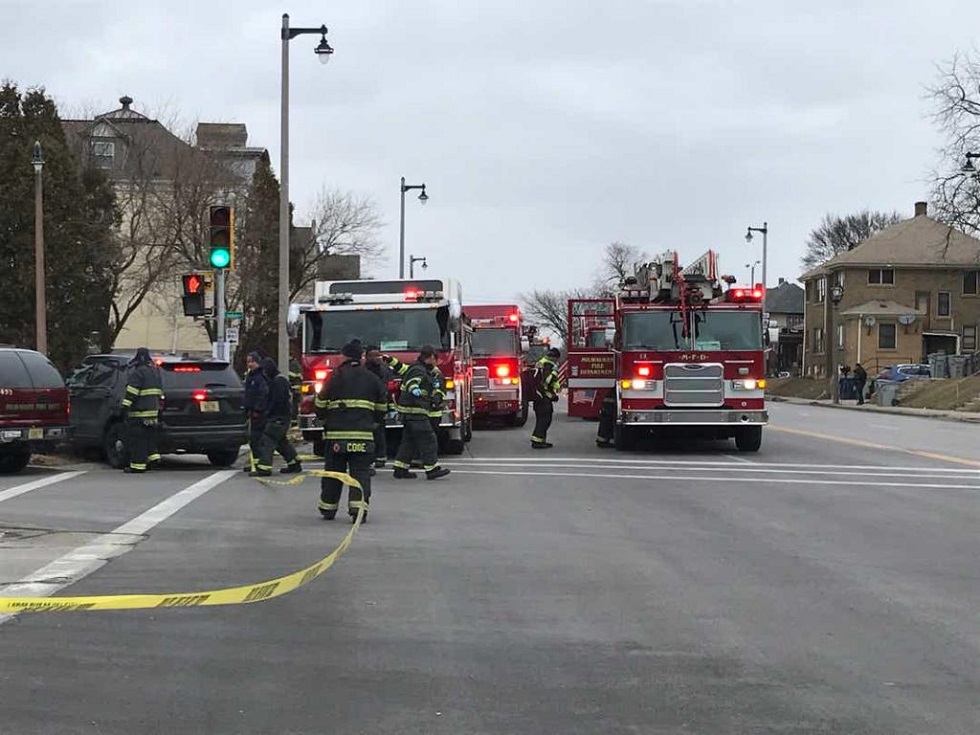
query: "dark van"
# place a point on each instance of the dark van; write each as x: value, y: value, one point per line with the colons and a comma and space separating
x: 33, y: 407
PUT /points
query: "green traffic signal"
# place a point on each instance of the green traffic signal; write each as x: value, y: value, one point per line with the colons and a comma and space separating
x: 220, y: 258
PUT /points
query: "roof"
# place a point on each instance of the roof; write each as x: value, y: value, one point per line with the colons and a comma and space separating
x: 786, y: 298
x: 880, y: 307
x: 920, y: 242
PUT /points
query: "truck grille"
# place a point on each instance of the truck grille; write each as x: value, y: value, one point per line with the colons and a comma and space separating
x: 481, y: 378
x: 694, y: 384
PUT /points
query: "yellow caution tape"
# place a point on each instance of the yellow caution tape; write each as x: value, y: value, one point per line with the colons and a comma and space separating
x: 260, y: 592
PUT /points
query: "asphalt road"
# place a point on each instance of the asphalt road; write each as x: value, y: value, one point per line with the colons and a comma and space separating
x: 827, y: 584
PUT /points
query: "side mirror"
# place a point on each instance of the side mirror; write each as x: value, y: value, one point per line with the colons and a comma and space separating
x: 610, y: 338
x: 525, y: 344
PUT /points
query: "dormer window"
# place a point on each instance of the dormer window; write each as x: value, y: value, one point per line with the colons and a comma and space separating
x: 104, y: 153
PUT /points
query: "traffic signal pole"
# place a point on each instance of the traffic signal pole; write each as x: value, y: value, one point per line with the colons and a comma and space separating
x: 221, y: 346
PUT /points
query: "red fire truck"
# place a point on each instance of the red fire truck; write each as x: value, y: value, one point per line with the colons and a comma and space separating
x: 688, y: 353
x: 591, y: 362
x: 497, y: 348
x: 398, y: 316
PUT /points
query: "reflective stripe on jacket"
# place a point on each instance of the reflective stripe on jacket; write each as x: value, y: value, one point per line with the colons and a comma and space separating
x: 352, y: 403
x: 144, y: 392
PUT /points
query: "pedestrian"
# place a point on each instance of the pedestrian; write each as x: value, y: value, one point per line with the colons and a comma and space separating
x: 144, y: 392
x: 413, y: 406
x: 860, y: 380
x: 607, y: 421
x: 277, y: 420
x: 350, y: 407
x: 546, y: 384
x: 256, y: 403
x: 375, y: 364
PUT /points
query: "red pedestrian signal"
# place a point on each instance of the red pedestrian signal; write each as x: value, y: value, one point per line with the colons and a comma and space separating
x: 193, y: 297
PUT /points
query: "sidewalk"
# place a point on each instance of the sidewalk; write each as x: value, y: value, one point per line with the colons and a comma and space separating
x: 925, y: 413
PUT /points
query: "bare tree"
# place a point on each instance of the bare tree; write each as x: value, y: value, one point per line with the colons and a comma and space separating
x: 955, y: 99
x: 618, y: 261
x: 836, y: 234
x: 550, y: 308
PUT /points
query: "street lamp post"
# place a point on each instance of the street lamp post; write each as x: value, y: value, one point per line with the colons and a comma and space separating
x: 765, y: 244
x: 40, y: 301
x: 752, y: 266
x: 423, y: 197
x: 323, y: 52
x: 968, y: 167
x: 412, y: 260
x: 836, y: 294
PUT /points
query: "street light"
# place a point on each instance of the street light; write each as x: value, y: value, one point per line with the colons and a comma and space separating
x: 423, y: 197
x: 323, y: 52
x: 836, y: 294
x: 968, y: 167
x: 765, y: 236
x: 752, y: 272
x: 412, y: 260
x: 40, y: 302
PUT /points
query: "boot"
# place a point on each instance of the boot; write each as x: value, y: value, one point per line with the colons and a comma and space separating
x: 131, y: 471
x: 402, y: 474
x: 353, y: 517
x: 379, y: 463
x: 436, y: 472
x: 541, y: 445
x: 260, y: 473
x: 291, y: 469
x: 328, y: 515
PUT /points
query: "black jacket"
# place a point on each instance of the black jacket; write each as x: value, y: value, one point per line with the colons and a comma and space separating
x: 415, y: 396
x: 280, y: 406
x: 352, y: 403
x: 256, y: 398
x: 144, y: 391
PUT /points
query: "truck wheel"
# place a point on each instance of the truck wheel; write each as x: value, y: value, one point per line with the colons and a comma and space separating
x: 624, y: 438
x: 519, y: 418
x: 748, y: 438
x: 319, y: 446
x: 454, y: 446
x: 14, y: 461
x: 467, y: 431
x: 113, y: 446
x: 223, y: 457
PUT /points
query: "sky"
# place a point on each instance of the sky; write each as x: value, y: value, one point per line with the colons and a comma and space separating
x: 543, y: 130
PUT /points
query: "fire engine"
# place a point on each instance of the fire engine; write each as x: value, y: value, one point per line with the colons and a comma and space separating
x: 686, y: 352
x: 400, y: 317
x: 498, y: 344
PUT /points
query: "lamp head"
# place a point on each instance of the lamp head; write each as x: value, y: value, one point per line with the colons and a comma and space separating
x: 423, y: 197
x: 37, y: 160
x: 323, y: 49
x: 748, y: 235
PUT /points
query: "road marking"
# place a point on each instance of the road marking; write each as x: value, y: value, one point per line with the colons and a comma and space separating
x: 714, y: 479
x: 872, y: 445
x: 736, y: 458
x: 13, y: 492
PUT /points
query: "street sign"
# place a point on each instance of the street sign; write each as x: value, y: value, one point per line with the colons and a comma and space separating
x: 231, y: 335
x: 234, y: 314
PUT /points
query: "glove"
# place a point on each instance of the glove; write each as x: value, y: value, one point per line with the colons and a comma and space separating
x: 417, y: 392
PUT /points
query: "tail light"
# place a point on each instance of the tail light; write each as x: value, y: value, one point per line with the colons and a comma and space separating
x: 199, y: 395
x: 187, y: 368
x: 321, y: 373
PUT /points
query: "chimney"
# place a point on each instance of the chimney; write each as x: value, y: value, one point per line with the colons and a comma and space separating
x: 125, y: 101
x: 921, y: 209
x: 782, y: 281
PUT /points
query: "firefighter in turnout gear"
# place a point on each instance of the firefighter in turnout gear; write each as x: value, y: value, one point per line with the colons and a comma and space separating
x: 607, y: 421
x: 350, y: 406
x: 144, y: 392
x: 277, y: 419
x: 256, y: 403
x: 374, y: 362
x: 546, y: 385
x: 414, y: 406
x: 438, y: 402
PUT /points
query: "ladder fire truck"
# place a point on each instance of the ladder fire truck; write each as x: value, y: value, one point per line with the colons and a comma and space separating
x: 498, y: 344
x: 399, y: 316
x: 687, y: 353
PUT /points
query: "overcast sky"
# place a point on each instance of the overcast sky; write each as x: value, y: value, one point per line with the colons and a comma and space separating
x: 543, y: 129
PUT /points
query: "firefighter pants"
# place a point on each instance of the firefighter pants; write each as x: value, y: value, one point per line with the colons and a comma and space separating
x: 274, y: 440
x: 380, y: 443
x: 140, y: 440
x: 358, y: 465
x: 255, y: 428
x: 607, y: 419
x: 544, y: 411
x: 418, y: 440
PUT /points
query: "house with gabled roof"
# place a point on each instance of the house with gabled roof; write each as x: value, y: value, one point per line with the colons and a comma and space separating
x: 908, y: 291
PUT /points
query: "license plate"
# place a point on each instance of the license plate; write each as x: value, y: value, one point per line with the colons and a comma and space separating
x: 209, y: 406
x: 35, y: 433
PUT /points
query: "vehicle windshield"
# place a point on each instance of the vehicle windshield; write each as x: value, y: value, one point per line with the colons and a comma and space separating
x: 713, y: 330
x: 402, y: 330
x: 489, y: 342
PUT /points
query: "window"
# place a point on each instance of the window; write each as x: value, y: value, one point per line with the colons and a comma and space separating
x: 104, y: 152
x: 881, y: 277
x: 821, y: 290
x: 970, y: 283
x: 970, y: 338
x: 794, y: 320
x: 818, y: 346
x: 943, y: 304
x: 887, y: 337
x: 840, y: 336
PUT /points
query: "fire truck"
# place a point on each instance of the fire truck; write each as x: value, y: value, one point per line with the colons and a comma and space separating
x: 399, y: 316
x: 498, y: 344
x: 687, y: 353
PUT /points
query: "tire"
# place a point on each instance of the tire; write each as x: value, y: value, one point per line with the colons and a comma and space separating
x: 467, y: 431
x: 14, y: 461
x: 624, y: 438
x: 520, y: 418
x: 223, y: 457
x: 113, y: 446
x: 454, y: 446
x: 748, y: 438
x: 319, y: 446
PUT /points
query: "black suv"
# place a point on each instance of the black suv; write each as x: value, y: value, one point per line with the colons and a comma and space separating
x: 33, y: 406
x: 202, y: 409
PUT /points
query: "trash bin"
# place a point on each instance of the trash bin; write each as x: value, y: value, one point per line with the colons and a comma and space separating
x: 885, y: 393
x: 959, y: 366
x: 939, y: 365
x: 848, y: 389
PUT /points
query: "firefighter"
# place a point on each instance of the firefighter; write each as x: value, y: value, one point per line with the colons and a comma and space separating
x: 144, y: 392
x: 374, y: 362
x: 545, y: 385
x: 607, y: 421
x: 256, y: 403
x: 414, y: 404
x: 277, y: 418
x: 437, y: 400
x: 350, y: 406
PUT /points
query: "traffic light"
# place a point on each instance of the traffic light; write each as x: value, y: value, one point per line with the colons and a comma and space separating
x: 193, y: 297
x: 221, y: 250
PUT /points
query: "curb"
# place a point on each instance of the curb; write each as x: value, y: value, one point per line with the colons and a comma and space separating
x: 922, y: 413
